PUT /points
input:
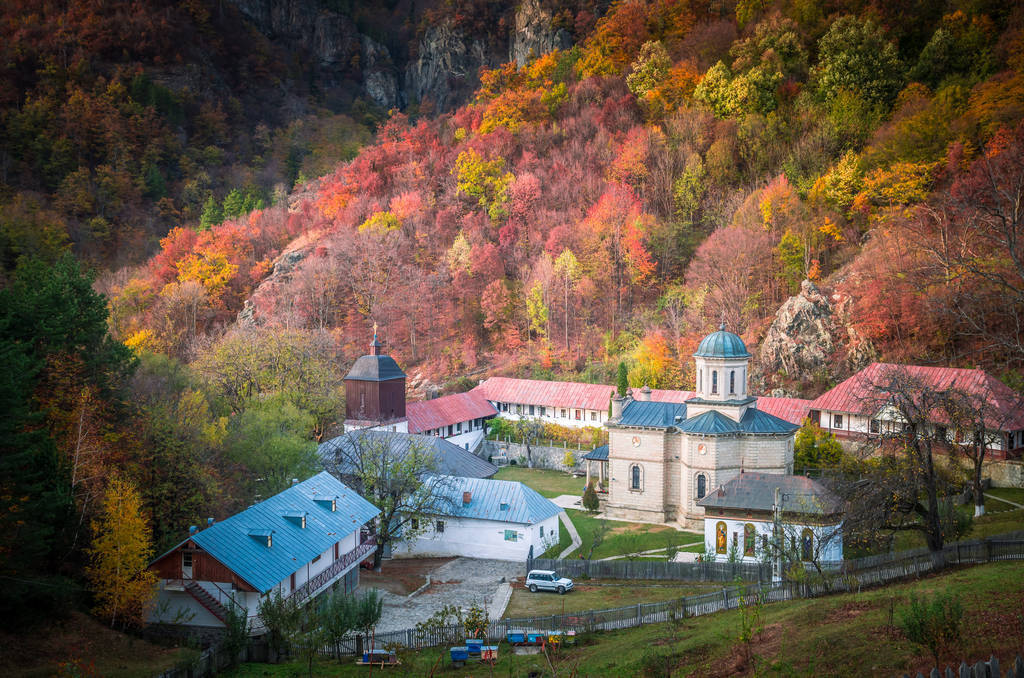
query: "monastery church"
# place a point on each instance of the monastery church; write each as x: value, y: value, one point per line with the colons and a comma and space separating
x: 663, y: 457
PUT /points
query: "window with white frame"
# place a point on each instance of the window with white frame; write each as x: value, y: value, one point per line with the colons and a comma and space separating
x: 510, y: 535
x: 837, y: 421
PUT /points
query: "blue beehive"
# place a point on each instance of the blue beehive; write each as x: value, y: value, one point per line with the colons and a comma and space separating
x: 460, y: 654
x: 516, y: 637
x: 474, y: 645
x: 535, y: 637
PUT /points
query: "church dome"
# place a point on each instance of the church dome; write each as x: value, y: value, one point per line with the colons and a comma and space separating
x: 722, y: 344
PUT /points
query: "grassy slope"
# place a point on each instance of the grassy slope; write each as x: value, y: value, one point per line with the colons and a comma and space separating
x: 846, y: 635
x: 548, y: 483
x: 590, y: 596
x: 625, y: 537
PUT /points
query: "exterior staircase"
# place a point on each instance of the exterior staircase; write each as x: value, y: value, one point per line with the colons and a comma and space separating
x: 206, y: 600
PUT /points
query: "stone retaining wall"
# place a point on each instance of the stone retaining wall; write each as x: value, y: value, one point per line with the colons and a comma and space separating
x: 540, y: 456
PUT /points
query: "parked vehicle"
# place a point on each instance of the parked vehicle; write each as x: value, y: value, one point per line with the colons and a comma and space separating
x: 547, y: 580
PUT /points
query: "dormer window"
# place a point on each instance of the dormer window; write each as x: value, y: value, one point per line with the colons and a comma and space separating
x: 263, y: 536
x: 503, y: 506
x: 329, y: 503
x: 296, y: 517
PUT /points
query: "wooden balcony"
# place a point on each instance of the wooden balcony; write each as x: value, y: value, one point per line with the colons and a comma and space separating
x: 324, y: 579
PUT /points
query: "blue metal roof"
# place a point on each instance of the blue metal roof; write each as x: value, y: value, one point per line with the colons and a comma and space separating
x: 652, y: 415
x: 722, y: 344
x: 714, y: 423
x: 710, y: 423
x: 597, y: 454
x: 232, y: 541
x: 487, y: 497
x: 756, y: 421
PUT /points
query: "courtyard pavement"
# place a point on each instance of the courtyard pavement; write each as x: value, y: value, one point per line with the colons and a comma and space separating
x: 463, y: 582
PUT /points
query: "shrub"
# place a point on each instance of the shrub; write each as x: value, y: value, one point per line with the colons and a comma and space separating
x: 569, y: 459
x: 934, y: 624
x: 590, y: 500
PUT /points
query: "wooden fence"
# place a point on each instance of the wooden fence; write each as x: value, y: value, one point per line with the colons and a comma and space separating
x: 989, y: 669
x: 854, y: 575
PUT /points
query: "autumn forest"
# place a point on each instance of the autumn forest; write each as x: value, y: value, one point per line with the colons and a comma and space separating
x: 200, y: 224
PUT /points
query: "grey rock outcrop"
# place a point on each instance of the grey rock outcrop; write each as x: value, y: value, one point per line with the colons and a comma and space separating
x: 380, y: 79
x: 810, y: 335
x: 447, y: 67
x: 331, y: 37
x: 534, y: 34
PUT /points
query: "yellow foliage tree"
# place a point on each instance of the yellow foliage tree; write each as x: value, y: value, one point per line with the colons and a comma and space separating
x: 121, y: 548
x: 210, y: 269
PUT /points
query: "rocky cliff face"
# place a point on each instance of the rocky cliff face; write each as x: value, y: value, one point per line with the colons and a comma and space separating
x: 444, y: 70
x: 812, y: 336
x: 534, y: 34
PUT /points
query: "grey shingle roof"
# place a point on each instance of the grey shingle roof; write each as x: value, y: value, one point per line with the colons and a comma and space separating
x: 450, y: 458
x: 756, y: 492
x: 375, y: 368
x: 487, y: 496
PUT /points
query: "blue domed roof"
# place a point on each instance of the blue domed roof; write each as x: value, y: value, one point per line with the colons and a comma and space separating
x: 722, y: 344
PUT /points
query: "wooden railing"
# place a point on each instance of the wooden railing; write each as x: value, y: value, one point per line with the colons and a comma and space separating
x: 317, y: 582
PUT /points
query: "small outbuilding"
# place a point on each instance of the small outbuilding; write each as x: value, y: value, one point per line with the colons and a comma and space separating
x: 755, y: 517
x: 483, y: 518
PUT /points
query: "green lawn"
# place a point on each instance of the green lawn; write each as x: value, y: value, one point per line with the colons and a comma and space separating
x: 587, y: 596
x: 624, y: 537
x: 548, y: 483
x: 990, y: 524
x: 1014, y: 494
x: 847, y: 635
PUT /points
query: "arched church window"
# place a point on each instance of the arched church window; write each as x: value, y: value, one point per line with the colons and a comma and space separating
x: 749, y: 539
x: 634, y: 477
x: 702, y: 485
x: 714, y: 381
x: 732, y: 381
x: 700, y: 380
x: 720, y: 532
x: 807, y: 545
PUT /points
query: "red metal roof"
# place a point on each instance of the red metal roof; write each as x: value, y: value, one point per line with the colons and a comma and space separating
x: 595, y: 396
x: 546, y: 393
x: 860, y: 394
x: 450, y: 409
x: 793, y: 410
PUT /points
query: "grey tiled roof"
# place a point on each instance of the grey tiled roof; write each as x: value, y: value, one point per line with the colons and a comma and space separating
x: 756, y: 492
x: 450, y: 458
x: 375, y: 368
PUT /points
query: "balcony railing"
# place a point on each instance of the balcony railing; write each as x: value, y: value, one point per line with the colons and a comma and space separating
x: 319, y: 581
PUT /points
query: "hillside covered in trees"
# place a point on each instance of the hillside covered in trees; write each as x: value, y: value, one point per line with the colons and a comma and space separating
x: 682, y: 165
x: 199, y: 224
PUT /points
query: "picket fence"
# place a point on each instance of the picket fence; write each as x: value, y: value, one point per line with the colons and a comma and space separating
x: 989, y: 669
x: 854, y: 575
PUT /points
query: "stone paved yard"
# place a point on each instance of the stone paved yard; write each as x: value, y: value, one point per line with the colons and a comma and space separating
x: 461, y: 582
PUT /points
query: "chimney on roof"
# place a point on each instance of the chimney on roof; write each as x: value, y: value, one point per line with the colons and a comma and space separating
x: 721, y: 490
x: 617, y: 407
x: 466, y: 498
x: 645, y: 394
x: 295, y: 481
x: 192, y: 529
x: 209, y: 522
